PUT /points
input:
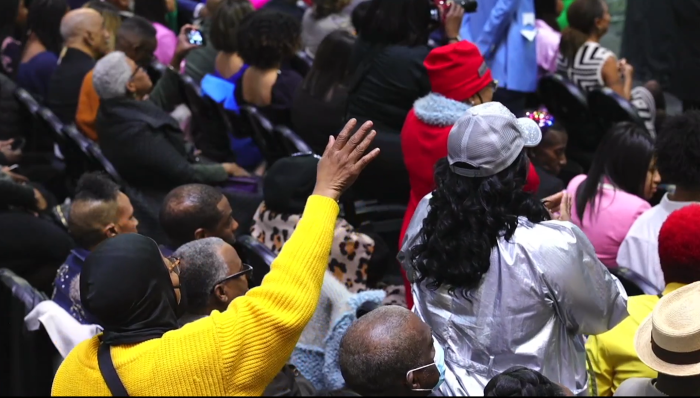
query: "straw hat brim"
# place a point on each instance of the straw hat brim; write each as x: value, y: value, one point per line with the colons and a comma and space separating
x: 642, y: 343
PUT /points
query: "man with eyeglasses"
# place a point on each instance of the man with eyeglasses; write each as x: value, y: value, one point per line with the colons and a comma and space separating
x: 211, y: 276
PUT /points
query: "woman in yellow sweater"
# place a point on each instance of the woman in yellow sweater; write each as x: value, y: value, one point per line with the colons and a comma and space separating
x: 127, y: 288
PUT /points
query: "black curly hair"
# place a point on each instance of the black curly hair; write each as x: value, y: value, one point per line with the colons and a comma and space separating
x: 678, y: 150
x: 520, y: 381
x: 268, y: 37
x: 466, y: 218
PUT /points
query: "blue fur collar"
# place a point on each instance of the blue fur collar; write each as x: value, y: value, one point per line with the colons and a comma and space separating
x: 436, y: 110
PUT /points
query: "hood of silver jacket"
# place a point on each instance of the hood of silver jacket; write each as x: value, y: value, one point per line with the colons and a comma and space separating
x: 545, y: 290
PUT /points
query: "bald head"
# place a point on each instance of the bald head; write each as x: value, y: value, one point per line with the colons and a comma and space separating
x: 75, y: 23
x: 381, y: 347
x: 83, y: 28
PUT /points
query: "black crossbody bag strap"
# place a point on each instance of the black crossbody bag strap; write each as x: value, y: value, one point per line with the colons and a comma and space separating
x: 104, y: 360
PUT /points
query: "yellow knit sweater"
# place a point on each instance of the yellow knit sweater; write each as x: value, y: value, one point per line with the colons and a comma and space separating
x: 236, y: 352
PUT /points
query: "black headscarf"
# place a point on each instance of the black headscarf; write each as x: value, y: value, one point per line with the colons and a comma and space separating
x: 127, y: 289
x: 289, y: 182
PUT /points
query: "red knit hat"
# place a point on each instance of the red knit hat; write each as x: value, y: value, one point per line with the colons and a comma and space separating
x: 679, y: 252
x: 457, y: 71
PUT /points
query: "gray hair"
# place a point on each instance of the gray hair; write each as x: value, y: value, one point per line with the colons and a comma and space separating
x: 201, y: 267
x: 111, y: 74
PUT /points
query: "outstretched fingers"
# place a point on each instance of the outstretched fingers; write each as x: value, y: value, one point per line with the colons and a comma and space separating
x: 345, y: 134
x: 357, y: 139
x: 367, y: 159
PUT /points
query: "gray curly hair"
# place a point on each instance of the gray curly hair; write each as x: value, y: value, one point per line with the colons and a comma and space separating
x: 111, y: 74
x: 201, y: 267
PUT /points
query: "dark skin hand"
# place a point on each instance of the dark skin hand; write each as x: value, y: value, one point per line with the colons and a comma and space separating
x: 344, y: 159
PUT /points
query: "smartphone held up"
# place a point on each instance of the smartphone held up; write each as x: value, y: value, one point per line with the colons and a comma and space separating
x: 195, y: 37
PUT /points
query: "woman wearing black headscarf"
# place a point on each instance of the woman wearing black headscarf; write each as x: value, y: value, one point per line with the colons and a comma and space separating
x: 135, y: 295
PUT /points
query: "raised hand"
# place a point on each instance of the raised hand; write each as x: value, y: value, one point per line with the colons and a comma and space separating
x: 183, y: 46
x: 344, y: 159
x: 453, y: 20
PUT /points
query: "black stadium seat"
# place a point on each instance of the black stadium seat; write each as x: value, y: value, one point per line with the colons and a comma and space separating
x: 609, y: 108
x: 634, y: 283
x: 27, y: 365
x: 569, y: 105
x: 257, y: 256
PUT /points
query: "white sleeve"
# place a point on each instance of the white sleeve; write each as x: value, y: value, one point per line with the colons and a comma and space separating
x: 641, y: 256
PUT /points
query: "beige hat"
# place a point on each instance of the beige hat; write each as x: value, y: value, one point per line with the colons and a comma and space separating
x: 668, y: 341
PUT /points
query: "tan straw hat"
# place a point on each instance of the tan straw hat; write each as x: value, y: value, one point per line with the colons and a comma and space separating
x: 668, y: 341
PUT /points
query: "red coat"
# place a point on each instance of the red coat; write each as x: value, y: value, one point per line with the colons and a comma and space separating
x: 423, y: 143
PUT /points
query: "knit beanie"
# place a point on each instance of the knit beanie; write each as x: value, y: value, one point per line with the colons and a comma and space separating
x: 457, y: 71
x: 288, y: 183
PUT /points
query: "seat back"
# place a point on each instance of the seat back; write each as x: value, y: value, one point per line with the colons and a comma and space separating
x: 210, y: 124
x: 77, y: 145
x: 257, y: 256
x: 27, y: 365
x: 27, y: 101
x: 105, y: 164
x: 263, y: 134
x: 290, y: 141
x: 29, y: 107
x: 634, y: 283
x: 301, y: 63
x: 609, y: 108
x: 568, y: 103
x: 52, y: 124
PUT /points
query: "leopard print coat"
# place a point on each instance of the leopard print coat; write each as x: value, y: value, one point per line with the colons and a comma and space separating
x: 350, y: 253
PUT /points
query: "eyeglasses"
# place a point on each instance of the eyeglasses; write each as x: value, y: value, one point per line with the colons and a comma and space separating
x: 246, y: 269
x: 494, y: 85
x: 174, y: 265
x: 133, y: 75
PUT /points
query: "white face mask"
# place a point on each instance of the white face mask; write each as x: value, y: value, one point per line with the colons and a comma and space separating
x: 438, y: 362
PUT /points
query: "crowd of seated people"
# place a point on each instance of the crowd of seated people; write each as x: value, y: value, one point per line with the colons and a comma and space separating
x: 420, y: 234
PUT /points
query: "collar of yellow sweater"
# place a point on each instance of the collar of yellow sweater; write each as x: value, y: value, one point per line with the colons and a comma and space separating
x: 671, y: 287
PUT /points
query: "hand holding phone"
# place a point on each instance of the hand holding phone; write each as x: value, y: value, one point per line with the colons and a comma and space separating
x: 195, y: 37
x: 189, y: 38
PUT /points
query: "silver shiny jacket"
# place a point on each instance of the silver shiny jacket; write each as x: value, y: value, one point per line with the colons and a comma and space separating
x: 545, y: 289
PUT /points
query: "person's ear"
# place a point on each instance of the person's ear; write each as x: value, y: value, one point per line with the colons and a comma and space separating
x: 200, y: 233
x: 220, y: 293
x: 473, y: 100
x: 131, y: 86
x: 89, y: 40
x: 412, y: 382
x: 110, y: 230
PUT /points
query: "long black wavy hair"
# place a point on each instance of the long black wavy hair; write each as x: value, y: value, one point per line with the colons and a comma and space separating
x: 466, y: 218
